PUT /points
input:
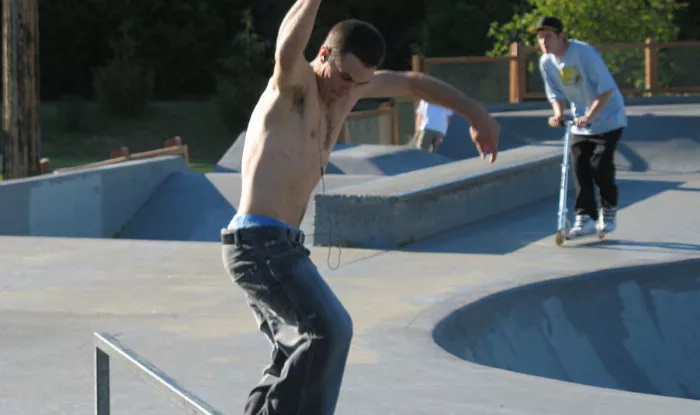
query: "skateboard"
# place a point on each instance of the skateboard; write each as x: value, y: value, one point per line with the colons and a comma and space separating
x: 563, y: 224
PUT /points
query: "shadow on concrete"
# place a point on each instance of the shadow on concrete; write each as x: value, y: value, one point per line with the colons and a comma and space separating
x: 632, y: 328
x: 186, y: 207
x: 634, y: 161
x: 642, y: 246
x: 515, y: 229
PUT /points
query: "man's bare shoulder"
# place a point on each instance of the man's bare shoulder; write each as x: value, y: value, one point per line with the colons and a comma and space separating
x: 294, y: 83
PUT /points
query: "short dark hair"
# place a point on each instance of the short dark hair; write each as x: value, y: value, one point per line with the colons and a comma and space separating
x: 548, y: 23
x: 359, y: 38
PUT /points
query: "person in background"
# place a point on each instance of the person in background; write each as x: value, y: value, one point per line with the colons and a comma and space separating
x: 432, y: 122
x: 574, y: 71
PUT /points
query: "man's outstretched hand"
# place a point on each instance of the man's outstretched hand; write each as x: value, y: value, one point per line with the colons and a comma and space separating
x: 485, y: 133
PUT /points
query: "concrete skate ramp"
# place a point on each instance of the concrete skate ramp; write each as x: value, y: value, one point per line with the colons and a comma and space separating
x: 230, y: 162
x: 86, y: 203
x: 518, y: 128
x: 634, y: 329
x: 382, y: 160
x: 195, y: 206
x: 657, y: 137
x: 365, y: 159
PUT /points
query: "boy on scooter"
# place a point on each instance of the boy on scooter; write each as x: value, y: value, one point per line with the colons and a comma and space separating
x: 574, y: 71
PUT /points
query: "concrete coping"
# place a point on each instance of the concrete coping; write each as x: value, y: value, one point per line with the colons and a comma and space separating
x: 89, y: 171
x: 398, y: 210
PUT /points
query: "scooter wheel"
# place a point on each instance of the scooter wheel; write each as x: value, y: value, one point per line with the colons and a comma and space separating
x: 559, y: 239
x: 601, y: 236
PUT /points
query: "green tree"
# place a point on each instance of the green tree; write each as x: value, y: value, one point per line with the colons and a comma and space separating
x: 595, y: 21
x: 460, y: 27
x: 599, y: 22
x: 243, y: 75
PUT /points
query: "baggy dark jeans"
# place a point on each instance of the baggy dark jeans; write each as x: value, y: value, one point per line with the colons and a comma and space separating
x: 593, y: 162
x: 309, y: 329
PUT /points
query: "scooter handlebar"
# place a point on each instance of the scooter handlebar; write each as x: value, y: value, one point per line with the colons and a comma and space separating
x: 565, y: 123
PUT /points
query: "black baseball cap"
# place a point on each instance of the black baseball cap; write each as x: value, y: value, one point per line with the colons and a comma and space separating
x: 548, y: 22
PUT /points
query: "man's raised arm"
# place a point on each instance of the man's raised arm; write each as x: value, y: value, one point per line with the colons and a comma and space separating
x: 292, y: 38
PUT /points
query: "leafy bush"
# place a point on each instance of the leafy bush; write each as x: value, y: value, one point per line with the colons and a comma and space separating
x: 124, y: 85
x: 240, y: 82
x: 596, y: 22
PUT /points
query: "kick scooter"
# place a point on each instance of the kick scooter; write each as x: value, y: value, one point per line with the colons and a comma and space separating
x: 563, y: 224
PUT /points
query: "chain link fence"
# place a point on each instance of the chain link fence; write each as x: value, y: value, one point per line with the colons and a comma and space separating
x: 643, y: 68
x: 407, y: 121
x: 371, y: 127
x: 640, y: 68
x: 678, y: 67
x: 482, y: 78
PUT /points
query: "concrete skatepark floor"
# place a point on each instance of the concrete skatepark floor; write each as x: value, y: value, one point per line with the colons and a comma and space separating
x: 172, y: 302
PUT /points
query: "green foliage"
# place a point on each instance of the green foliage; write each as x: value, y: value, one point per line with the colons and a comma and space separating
x: 596, y: 22
x: 689, y: 22
x: 71, y: 114
x: 241, y: 80
x: 459, y: 27
x: 183, y: 42
x: 124, y: 85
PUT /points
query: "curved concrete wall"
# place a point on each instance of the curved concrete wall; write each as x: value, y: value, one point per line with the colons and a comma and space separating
x: 633, y: 328
x: 89, y: 203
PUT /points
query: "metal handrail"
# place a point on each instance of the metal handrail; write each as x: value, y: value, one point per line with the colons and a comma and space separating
x: 107, y: 346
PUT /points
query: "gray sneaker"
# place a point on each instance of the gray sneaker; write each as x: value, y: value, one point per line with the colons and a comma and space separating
x: 607, y: 219
x: 584, y: 225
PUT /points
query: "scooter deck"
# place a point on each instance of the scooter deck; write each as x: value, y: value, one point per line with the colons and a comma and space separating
x: 562, y: 238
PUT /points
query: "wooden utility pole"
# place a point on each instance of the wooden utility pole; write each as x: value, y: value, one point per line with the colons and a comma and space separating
x: 20, y: 72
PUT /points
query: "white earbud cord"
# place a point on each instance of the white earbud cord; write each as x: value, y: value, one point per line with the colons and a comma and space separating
x: 323, y: 185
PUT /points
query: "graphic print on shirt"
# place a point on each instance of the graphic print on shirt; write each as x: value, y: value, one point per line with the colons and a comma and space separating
x: 570, y: 76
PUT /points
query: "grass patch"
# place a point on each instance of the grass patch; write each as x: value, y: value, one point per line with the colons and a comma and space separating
x: 79, y: 132
x: 75, y: 132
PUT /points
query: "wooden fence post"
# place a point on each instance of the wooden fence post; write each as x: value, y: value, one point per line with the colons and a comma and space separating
x: 651, y: 64
x: 417, y: 63
x: 122, y: 151
x: 518, y: 73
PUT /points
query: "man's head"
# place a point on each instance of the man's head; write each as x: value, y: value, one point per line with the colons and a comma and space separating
x: 351, y: 53
x: 550, y: 35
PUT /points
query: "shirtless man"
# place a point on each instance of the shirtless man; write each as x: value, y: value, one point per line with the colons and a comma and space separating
x: 291, y: 133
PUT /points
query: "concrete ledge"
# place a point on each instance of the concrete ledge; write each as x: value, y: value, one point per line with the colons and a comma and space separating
x: 86, y: 203
x: 395, y: 211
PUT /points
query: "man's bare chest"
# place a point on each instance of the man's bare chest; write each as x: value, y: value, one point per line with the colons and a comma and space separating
x: 321, y: 123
